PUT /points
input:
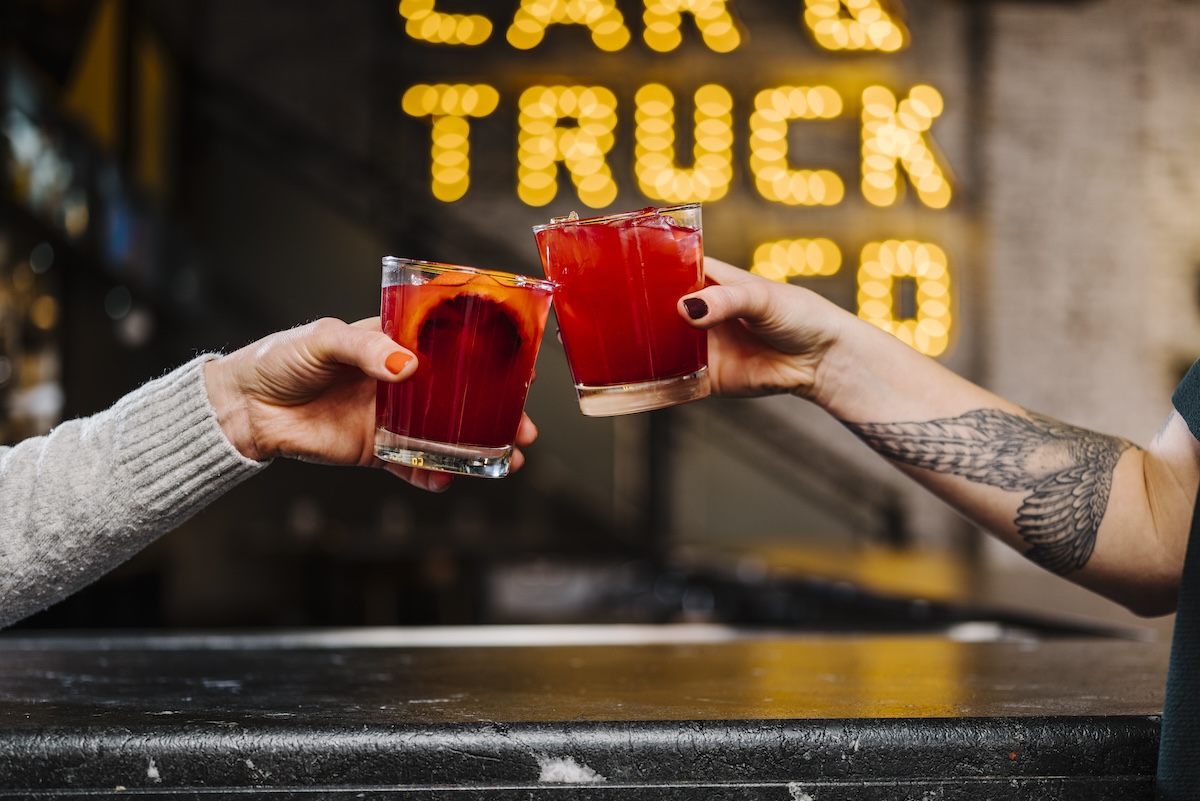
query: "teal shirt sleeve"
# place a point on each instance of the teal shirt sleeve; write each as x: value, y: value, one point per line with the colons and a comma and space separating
x: 1187, y: 399
x: 1178, y: 776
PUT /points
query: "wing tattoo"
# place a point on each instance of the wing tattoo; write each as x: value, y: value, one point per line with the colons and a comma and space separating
x: 1066, y: 471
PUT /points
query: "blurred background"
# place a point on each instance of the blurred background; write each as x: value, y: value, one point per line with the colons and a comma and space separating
x: 188, y: 175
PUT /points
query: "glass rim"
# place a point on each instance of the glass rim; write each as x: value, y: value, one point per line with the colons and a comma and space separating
x: 441, y: 267
x: 560, y: 222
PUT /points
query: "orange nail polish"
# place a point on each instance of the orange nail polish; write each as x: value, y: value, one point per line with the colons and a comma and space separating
x: 397, y: 362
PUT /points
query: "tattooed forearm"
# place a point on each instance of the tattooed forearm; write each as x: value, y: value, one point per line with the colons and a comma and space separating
x: 1066, y: 471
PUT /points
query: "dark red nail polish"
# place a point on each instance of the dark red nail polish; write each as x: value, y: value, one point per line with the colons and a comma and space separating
x: 695, y: 307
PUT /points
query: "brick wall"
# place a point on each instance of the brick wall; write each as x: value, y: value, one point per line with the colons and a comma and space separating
x: 1093, y: 236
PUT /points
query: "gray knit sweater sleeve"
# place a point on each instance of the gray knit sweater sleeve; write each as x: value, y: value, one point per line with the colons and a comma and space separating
x: 81, y: 500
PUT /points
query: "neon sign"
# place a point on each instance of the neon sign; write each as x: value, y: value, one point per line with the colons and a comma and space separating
x: 568, y: 139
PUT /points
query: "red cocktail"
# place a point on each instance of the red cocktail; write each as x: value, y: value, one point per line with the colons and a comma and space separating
x: 476, y: 335
x: 617, y: 281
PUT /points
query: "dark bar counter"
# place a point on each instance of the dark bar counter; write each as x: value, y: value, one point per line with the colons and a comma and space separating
x: 580, y: 712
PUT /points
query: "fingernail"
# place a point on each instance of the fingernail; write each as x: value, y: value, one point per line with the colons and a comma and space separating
x: 695, y: 307
x: 397, y: 362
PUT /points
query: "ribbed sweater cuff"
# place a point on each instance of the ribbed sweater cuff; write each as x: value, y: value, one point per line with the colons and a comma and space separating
x: 176, y: 458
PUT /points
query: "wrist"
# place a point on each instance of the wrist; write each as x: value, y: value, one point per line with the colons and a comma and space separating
x: 853, y: 366
x: 869, y: 374
x: 230, y: 407
x: 828, y: 354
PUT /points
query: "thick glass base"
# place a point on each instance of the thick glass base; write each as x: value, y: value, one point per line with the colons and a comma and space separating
x: 628, y: 398
x: 468, y: 460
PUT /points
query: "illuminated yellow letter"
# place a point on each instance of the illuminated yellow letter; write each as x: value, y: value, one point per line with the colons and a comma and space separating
x: 426, y: 25
x: 924, y: 265
x: 854, y: 25
x: 716, y: 24
x: 601, y: 17
x: 785, y: 258
x: 449, y: 106
x: 773, y: 108
x: 894, y: 133
x: 542, y: 143
x: 657, y: 174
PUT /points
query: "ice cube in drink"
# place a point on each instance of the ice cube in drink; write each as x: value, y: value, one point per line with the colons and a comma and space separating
x: 617, y: 280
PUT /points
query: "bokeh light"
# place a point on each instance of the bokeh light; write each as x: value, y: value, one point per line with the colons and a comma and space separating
x: 883, y: 265
x: 716, y: 24
x: 894, y: 133
x: 712, y: 153
x: 854, y: 25
x: 601, y: 17
x: 424, y: 23
x: 788, y: 258
x: 775, y: 179
x: 543, y: 143
x: 449, y: 105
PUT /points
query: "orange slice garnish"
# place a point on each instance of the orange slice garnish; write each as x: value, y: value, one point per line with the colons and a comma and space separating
x: 444, y: 300
x: 457, y: 279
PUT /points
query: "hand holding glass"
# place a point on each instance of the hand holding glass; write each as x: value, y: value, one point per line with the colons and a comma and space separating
x: 476, y: 335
